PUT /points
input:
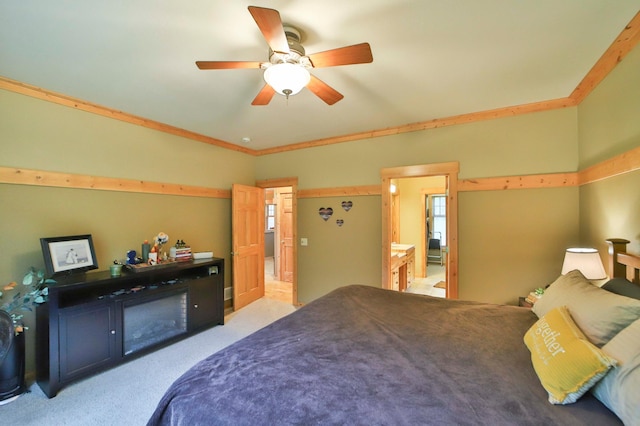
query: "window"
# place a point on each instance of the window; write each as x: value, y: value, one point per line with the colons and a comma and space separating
x: 270, y: 215
x: 440, y: 218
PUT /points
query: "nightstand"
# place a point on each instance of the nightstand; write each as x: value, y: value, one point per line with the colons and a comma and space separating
x: 522, y: 301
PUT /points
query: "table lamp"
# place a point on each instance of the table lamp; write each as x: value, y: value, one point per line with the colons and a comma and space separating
x: 586, y: 260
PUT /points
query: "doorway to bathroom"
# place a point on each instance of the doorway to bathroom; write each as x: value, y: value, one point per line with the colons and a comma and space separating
x: 415, y: 227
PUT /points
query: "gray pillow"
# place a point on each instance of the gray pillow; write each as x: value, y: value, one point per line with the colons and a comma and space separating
x: 599, y: 314
x: 620, y: 388
x: 623, y: 287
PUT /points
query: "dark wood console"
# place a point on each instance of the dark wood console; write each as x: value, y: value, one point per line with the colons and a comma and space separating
x: 92, y: 322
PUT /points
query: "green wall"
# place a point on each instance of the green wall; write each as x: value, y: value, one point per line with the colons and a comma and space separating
x: 46, y: 136
x: 610, y: 125
x: 609, y: 118
x: 40, y: 135
x: 544, y: 142
x: 512, y: 242
x: 338, y: 255
x: 611, y: 209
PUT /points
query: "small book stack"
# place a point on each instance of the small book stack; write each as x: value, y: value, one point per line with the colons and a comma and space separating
x: 183, y: 253
x: 532, y: 298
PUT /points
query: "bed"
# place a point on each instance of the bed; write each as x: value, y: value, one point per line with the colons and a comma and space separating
x: 364, y: 355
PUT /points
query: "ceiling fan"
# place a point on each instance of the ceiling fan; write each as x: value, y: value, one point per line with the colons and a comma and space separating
x: 287, y: 72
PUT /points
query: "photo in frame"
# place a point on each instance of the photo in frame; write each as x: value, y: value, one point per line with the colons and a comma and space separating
x: 68, y: 254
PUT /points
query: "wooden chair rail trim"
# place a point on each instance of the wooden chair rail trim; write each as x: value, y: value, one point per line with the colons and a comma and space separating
x: 78, y: 181
x: 620, y: 164
x: 623, y: 163
x: 553, y: 180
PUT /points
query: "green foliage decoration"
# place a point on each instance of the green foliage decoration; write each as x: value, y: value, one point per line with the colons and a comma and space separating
x: 36, y: 291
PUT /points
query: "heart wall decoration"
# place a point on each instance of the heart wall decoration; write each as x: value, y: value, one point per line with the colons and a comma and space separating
x: 346, y: 205
x: 340, y: 222
x: 325, y: 212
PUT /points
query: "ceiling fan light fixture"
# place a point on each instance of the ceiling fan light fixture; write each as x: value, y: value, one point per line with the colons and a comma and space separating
x: 287, y: 79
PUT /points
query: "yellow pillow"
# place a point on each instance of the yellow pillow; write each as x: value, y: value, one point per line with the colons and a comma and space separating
x: 566, y: 363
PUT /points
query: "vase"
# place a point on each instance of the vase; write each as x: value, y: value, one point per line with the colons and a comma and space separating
x: 12, y: 366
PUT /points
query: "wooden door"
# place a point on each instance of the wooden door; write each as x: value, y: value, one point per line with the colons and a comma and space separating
x: 247, y: 227
x: 395, y: 218
x: 285, y: 231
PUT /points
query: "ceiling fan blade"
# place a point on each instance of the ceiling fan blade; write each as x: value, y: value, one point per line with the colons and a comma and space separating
x: 270, y: 25
x: 355, y: 54
x: 324, y: 91
x: 264, y: 96
x: 226, y: 65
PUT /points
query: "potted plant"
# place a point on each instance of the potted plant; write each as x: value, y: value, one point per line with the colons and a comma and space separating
x: 12, y: 329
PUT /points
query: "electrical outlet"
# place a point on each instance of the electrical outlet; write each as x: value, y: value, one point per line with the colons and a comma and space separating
x: 304, y: 242
x: 228, y: 293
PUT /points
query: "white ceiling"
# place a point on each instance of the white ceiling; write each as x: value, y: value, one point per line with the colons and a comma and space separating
x: 432, y: 59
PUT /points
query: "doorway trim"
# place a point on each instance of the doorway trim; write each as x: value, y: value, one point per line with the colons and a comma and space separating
x: 450, y: 170
x: 293, y: 183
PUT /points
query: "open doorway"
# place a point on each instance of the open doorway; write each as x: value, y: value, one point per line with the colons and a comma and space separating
x: 419, y: 230
x: 278, y: 244
x: 416, y: 241
x: 280, y: 255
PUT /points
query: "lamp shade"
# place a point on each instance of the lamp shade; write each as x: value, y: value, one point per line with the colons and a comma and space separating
x: 586, y: 260
x: 287, y: 79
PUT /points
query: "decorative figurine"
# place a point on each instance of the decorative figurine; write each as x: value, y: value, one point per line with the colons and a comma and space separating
x: 131, y: 257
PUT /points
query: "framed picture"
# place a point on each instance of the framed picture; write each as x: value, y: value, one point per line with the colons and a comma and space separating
x: 68, y: 254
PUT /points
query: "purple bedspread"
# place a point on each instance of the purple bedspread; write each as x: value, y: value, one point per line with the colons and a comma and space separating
x: 366, y: 356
